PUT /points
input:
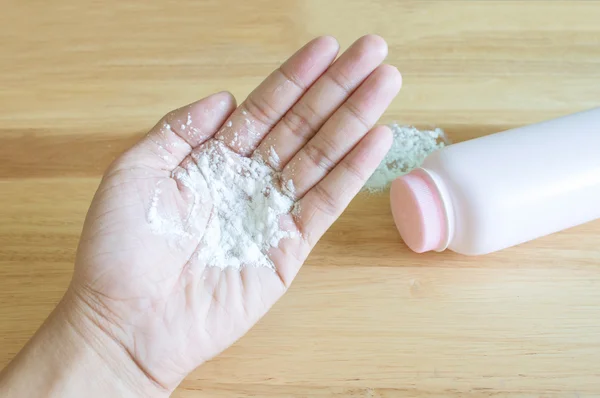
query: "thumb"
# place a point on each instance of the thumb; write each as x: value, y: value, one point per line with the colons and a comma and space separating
x: 176, y: 134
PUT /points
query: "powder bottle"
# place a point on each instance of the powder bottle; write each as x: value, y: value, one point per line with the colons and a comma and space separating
x: 493, y: 192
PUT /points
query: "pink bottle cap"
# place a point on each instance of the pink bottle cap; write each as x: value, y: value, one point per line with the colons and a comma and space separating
x: 418, y: 211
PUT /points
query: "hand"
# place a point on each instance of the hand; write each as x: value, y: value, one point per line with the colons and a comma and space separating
x: 146, y: 290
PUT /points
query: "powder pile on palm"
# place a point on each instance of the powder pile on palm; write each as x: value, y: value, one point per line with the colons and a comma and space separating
x: 244, y: 200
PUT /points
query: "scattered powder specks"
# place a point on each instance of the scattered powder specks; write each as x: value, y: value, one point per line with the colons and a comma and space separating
x: 193, y: 132
x: 189, y: 120
x: 273, y: 157
x: 229, y: 123
x: 152, y: 217
x: 289, y: 188
x: 235, y: 142
x: 162, y: 224
x: 245, y: 205
x: 409, y: 148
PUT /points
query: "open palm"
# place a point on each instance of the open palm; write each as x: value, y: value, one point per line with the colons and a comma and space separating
x: 168, y: 309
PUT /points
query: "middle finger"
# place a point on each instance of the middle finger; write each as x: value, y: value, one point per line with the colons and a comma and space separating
x: 316, y: 106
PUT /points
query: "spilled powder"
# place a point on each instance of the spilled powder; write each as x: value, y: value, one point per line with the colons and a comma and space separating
x: 409, y: 149
x: 236, y: 202
x: 246, y: 201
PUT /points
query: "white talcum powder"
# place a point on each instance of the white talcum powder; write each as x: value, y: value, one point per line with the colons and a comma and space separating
x: 246, y: 201
x: 236, y: 202
x: 409, y: 148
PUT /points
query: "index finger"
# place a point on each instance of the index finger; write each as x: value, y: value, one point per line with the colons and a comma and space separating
x: 267, y: 104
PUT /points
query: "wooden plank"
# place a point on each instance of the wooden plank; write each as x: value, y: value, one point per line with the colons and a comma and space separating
x: 366, y: 318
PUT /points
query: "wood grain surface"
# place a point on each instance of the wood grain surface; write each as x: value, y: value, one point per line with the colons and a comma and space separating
x: 82, y: 80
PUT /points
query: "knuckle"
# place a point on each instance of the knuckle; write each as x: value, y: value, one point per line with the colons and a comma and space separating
x: 341, y: 81
x: 293, y: 78
x: 260, y: 110
x: 326, y: 202
x: 319, y: 157
x: 299, y: 124
x: 353, y: 111
x: 351, y: 168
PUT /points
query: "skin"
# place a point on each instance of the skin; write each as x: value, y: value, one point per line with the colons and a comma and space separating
x: 142, y: 313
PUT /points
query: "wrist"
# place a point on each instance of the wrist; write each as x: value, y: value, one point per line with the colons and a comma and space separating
x: 71, y: 355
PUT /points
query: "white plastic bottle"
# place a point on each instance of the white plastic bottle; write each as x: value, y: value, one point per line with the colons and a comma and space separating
x: 493, y: 192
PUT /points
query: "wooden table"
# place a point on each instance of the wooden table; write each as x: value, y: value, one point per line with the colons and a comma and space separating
x: 80, y: 81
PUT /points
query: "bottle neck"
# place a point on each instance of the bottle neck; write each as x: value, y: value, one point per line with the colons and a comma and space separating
x: 440, y: 190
